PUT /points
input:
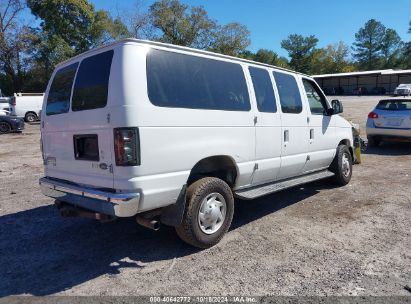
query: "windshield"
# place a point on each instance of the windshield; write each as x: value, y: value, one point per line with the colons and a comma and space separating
x: 394, y: 105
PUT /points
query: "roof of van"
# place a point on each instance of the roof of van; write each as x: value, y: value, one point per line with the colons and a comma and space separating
x: 178, y: 47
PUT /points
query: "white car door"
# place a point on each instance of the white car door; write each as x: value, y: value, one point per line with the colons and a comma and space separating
x: 77, y: 138
x: 294, y: 129
x: 267, y: 127
x: 321, y: 128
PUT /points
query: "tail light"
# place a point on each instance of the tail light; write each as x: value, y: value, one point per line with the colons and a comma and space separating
x: 13, y: 101
x: 127, y: 146
x: 372, y: 115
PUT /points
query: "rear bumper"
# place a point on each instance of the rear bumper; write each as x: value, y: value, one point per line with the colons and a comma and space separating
x: 114, y: 204
x: 383, y: 132
x: 372, y: 130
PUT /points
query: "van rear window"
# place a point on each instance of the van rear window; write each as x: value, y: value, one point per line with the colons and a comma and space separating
x: 185, y: 81
x: 91, y: 86
x: 58, y: 100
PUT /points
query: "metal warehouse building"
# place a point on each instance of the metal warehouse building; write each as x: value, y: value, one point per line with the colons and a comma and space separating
x: 369, y: 82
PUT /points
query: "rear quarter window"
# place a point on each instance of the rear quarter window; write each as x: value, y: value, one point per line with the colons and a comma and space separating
x: 91, y: 86
x: 58, y: 99
x: 186, y: 81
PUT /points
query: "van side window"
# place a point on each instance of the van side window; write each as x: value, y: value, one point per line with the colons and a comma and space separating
x: 58, y: 100
x: 263, y: 89
x: 316, y: 99
x: 185, y: 81
x: 91, y: 86
x: 290, y: 97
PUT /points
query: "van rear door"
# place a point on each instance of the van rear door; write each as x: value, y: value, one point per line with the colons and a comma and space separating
x: 77, y: 137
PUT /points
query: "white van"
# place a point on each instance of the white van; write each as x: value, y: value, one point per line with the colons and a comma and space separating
x: 170, y: 134
x: 27, y: 105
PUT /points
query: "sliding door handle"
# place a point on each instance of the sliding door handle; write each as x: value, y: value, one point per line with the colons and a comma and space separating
x: 311, y: 133
x: 286, y: 136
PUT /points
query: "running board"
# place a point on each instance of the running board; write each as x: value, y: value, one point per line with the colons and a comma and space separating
x: 251, y: 193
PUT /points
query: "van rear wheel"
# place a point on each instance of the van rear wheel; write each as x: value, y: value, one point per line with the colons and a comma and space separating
x: 208, y: 213
x: 30, y: 117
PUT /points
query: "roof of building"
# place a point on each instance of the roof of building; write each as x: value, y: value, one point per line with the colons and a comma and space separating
x: 364, y: 73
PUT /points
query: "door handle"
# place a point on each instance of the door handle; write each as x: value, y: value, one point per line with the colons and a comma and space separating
x: 311, y: 133
x: 286, y: 136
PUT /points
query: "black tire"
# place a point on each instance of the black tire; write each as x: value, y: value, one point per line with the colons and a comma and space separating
x: 4, y: 127
x: 339, y: 165
x: 30, y: 117
x: 373, y: 141
x: 189, y: 230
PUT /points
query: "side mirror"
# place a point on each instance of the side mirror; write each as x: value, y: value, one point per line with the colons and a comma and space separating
x: 337, y: 107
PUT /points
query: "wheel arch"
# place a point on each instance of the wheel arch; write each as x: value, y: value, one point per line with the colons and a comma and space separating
x: 220, y: 166
x: 347, y: 142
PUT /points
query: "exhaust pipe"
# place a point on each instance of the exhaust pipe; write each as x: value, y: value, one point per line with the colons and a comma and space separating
x: 69, y: 211
x: 150, y: 223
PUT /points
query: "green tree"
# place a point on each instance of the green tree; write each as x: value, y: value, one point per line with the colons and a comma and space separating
x: 77, y: 23
x: 67, y: 28
x: 336, y: 59
x: 266, y: 56
x: 301, y: 51
x: 406, y: 53
x: 231, y: 39
x: 368, y: 44
x: 247, y: 54
x: 270, y: 57
x: 182, y: 25
x: 391, y: 48
x: 139, y: 21
x: 48, y: 50
x: 406, y: 56
x: 14, y: 43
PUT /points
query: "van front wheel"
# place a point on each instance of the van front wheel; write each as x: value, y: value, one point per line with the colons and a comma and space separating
x: 342, y: 166
x: 208, y: 214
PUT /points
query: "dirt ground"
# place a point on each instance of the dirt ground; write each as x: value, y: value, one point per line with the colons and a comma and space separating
x: 310, y: 240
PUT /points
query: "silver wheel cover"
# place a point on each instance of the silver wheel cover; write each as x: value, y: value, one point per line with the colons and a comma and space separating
x: 212, y: 213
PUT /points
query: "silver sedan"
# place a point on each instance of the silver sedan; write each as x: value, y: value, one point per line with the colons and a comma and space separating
x: 390, y: 120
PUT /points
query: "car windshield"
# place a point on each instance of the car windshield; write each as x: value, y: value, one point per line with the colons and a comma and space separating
x: 394, y: 105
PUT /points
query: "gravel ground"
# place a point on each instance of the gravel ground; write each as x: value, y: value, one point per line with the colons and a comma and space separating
x: 310, y: 240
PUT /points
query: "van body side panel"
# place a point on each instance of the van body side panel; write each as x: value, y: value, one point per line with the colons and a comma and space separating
x: 173, y: 140
x: 25, y: 104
